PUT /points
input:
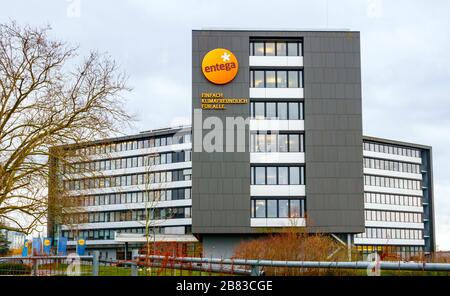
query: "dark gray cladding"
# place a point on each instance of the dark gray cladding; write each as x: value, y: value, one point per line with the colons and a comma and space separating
x: 333, y: 135
x: 333, y: 132
x: 220, y: 180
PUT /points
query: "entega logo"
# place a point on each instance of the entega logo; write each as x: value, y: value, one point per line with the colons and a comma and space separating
x: 220, y: 66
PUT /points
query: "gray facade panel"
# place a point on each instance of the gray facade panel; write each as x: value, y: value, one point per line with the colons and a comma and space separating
x: 333, y: 133
x: 222, y: 178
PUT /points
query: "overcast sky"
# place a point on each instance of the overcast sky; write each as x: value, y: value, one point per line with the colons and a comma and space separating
x: 405, y: 49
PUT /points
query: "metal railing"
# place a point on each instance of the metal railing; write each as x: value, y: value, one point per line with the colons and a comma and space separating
x: 92, y: 265
x: 49, y: 265
x: 256, y: 267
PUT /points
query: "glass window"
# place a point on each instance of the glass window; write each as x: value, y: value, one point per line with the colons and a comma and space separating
x: 271, y: 208
x: 281, y: 79
x: 283, y: 176
x: 259, y: 48
x: 270, y: 79
x: 270, y: 48
x: 281, y: 48
x: 282, y: 143
x: 294, y: 143
x: 294, y: 174
x: 271, y: 175
x: 282, y: 111
x: 293, y: 111
x: 283, y: 208
x: 260, y: 208
x: 292, y: 48
x: 258, y: 77
x: 271, y: 110
x: 259, y: 110
x: 260, y: 173
x: 294, y: 209
x: 260, y: 143
x: 271, y: 143
x: 293, y: 79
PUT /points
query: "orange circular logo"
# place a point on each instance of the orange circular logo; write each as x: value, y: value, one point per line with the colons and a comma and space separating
x: 220, y: 66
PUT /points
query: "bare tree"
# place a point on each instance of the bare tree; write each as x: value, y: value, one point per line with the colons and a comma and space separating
x: 48, y: 99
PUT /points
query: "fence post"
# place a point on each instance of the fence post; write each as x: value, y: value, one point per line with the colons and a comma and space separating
x: 134, y: 269
x: 95, y: 263
x: 35, y: 267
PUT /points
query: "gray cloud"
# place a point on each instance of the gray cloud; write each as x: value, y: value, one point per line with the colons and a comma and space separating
x: 405, y: 61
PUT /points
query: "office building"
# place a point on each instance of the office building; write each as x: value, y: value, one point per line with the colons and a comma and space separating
x: 276, y: 141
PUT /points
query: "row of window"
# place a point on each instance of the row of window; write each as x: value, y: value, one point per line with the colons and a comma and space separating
x: 277, y: 175
x: 277, y: 142
x: 277, y: 110
x: 389, y: 216
x: 129, y: 215
x: 391, y: 165
x: 276, y: 78
x: 391, y: 149
x: 132, y: 197
x: 392, y: 182
x: 278, y: 208
x: 404, y: 251
x: 129, y: 180
x: 103, y: 234
x: 391, y: 233
x: 134, y: 145
x: 392, y: 199
x: 276, y: 48
x: 129, y: 162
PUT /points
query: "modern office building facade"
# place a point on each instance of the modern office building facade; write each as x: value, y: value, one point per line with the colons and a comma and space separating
x: 276, y: 141
x: 14, y: 238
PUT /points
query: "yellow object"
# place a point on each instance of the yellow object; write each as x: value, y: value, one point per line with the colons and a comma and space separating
x: 220, y: 66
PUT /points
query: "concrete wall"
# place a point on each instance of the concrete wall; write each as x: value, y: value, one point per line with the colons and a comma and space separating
x: 222, y: 246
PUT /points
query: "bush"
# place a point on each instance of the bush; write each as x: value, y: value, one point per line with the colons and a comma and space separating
x: 294, y: 245
x: 14, y: 269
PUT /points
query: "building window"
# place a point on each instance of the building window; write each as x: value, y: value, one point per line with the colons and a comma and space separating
x: 276, y: 79
x: 277, y: 175
x: 282, y: 79
x: 270, y: 49
x: 283, y: 176
x: 391, y: 165
x: 276, y: 110
x: 277, y: 142
x: 275, y: 48
x: 260, y: 175
x: 293, y: 49
x: 260, y: 209
x: 294, y: 209
x: 271, y: 176
x: 272, y: 209
x: 283, y: 208
x: 278, y: 208
x: 258, y: 79
x: 391, y: 149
